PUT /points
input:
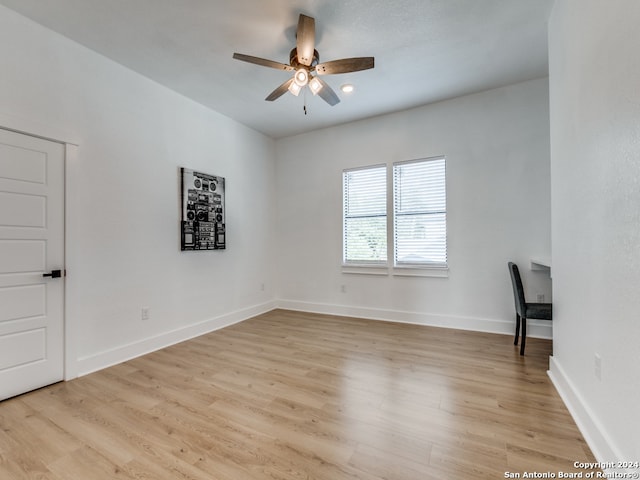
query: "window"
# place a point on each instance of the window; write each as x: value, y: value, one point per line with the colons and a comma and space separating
x: 365, y: 215
x: 418, y: 243
x: 420, y: 213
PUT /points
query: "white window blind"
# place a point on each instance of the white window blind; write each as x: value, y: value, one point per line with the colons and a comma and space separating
x: 365, y: 215
x: 420, y: 213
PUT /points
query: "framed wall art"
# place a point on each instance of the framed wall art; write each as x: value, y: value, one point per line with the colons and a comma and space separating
x: 203, y: 211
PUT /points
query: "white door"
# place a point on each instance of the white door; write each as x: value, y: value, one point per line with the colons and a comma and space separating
x: 31, y: 245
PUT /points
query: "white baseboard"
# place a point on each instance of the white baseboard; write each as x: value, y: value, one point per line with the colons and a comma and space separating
x: 537, y: 329
x: 98, y: 361
x: 592, y: 430
x: 123, y: 353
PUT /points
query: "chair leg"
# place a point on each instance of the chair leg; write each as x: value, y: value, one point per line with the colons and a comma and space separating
x: 515, y: 340
x: 524, y: 335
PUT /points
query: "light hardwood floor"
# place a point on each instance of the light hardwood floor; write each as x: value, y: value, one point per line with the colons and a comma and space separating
x: 298, y: 396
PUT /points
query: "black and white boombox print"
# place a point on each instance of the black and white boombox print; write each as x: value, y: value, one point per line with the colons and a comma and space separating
x: 203, y: 220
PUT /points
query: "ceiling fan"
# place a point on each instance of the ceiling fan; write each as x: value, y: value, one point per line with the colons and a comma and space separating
x: 303, y: 60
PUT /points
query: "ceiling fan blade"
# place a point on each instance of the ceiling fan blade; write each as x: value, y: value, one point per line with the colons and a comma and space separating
x: 262, y: 61
x: 306, y: 39
x: 327, y: 93
x: 345, y: 65
x: 278, y: 92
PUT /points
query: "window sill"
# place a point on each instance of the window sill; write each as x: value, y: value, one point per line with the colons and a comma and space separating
x: 364, y: 269
x: 418, y: 271
x: 404, y: 271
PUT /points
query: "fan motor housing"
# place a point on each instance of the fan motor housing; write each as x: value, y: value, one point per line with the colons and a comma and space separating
x: 293, y: 59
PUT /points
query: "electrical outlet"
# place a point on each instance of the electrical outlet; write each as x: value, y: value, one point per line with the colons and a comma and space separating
x: 540, y: 298
x: 145, y: 313
x: 597, y: 366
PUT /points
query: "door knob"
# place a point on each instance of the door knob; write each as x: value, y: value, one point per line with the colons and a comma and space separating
x: 53, y: 274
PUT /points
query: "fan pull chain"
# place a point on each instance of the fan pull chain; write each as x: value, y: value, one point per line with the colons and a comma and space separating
x: 304, y: 105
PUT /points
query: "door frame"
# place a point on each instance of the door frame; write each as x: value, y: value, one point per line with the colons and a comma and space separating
x: 53, y: 133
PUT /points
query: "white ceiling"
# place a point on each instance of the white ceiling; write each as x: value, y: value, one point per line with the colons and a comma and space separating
x: 425, y: 50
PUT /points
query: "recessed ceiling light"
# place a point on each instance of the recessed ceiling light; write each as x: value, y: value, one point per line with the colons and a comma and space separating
x: 347, y: 88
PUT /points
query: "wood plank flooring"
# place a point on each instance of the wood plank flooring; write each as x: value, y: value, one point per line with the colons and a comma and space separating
x: 298, y: 396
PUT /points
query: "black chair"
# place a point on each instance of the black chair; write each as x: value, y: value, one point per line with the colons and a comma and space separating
x: 524, y: 310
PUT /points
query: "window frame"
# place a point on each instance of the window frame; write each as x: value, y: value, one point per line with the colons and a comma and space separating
x: 370, y: 265
x: 431, y: 268
x: 390, y: 265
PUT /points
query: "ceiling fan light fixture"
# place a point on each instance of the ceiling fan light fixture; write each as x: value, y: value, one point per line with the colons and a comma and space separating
x: 315, y: 85
x: 301, y: 77
x: 294, y: 88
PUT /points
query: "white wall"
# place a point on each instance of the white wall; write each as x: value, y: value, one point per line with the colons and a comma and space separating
x: 123, y: 197
x: 497, y: 149
x: 595, y: 173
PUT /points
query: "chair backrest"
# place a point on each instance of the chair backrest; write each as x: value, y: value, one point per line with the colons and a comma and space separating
x: 518, y: 290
